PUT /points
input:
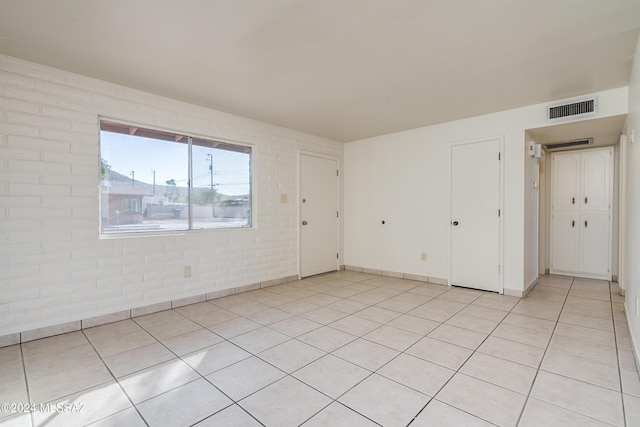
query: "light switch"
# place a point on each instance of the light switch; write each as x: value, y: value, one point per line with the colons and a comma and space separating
x: 283, y: 198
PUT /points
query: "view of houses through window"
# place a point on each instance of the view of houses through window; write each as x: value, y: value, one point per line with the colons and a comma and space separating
x: 160, y: 181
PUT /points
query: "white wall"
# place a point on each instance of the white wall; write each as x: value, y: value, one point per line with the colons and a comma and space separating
x: 531, y: 218
x: 631, y: 228
x: 543, y: 213
x: 404, y: 179
x: 55, y: 268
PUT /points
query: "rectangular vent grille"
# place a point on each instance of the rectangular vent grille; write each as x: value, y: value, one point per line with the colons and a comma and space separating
x: 574, y: 109
x: 577, y: 142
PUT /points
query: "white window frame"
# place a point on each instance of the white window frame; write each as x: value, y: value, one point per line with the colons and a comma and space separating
x: 238, y: 146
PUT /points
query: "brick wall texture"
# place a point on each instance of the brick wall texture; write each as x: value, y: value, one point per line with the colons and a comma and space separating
x: 54, y: 265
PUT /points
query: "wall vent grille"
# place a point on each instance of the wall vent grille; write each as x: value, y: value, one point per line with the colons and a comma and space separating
x: 567, y: 144
x: 579, y: 108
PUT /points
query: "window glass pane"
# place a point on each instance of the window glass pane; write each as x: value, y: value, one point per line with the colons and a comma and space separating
x: 144, y: 180
x: 132, y: 205
x: 221, y: 193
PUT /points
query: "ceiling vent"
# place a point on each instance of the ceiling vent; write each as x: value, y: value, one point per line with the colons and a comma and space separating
x: 568, y: 144
x: 585, y: 107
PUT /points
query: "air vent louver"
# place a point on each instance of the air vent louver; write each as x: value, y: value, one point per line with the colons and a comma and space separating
x: 579, y: 108
x: 574, y: 143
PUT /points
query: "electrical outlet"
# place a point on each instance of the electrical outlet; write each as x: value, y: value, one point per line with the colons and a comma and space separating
x: 187, y: 271
x: 423, y: 256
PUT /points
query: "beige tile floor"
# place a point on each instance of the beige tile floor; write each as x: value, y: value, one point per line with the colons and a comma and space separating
x: 342, y: 349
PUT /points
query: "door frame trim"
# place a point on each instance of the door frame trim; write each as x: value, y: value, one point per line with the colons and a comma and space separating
x: 300, y: 153
x: 622, y: 214
x: 500, y: 139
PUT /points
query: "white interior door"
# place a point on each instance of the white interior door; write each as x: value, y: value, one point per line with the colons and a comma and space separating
x: 583, y: 250
x: 475, y: 221
x: 318, y: 214
x: 565, y: 238
x: 594, y: 243
x: 596, y: 174
x: 566, y: 173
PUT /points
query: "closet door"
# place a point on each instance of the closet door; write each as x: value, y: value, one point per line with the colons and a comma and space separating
x: 595, y: 243
x: 566, y: 180
x: 581, y: 213
x: 595, y: 180
x: 565, y: 241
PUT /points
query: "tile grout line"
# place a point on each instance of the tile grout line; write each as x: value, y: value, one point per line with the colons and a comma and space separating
x: 256, y: 355
x: 74, y: 392
x: 565, y: 376
x: 535, y: 377
x: 468, y: 304
x: 159, y: 342
x: 202, y: 376
x: 333, y: 400
x: 178, y: 357
x: 356, y: 337
x: 615, y: 341
x: 371, y: 373
x: 26, y: 385
x: 116, y: 381
x: 457, y: 371
x: 287, y: 374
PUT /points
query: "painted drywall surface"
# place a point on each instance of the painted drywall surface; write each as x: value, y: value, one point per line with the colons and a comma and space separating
x: 403, y: 178
x: 631, y: 273
x: 543, y: 214
x: 615, y: 214
x: 531, y: 220
x: 54, y: 267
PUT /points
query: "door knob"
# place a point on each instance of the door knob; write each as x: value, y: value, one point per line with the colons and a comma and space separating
x: 586, y: 224
x: 455, y: 223
x: 573, y: 223
x: 586, y: 200
x: 304, y: 222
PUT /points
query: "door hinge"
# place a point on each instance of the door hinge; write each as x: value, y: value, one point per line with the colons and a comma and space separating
x: 498, y: 212
x: 337, y: 214
x: 337, y: 172
x: 338, y: 255
x: 499, y: 156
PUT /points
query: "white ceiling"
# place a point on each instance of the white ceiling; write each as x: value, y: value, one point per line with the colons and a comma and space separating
x: 343, y: 69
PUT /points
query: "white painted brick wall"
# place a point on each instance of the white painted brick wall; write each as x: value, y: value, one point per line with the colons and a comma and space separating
x: 54, y: 266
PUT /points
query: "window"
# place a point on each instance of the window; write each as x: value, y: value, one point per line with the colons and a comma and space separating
x: 153, y: 180
x: 132, y: 205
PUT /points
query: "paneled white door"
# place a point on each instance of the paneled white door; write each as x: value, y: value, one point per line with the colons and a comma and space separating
x: 594, y: 243
x: 566, y: 234
x: 475, y: 222
x: 596, y: 177
x: 566, y: 172
x: 581, y: 227
x: 318, y: 214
